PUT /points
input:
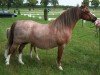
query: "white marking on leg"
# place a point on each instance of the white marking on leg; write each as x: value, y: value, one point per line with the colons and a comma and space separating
x: 60, y: 67
x: 37, y: 57
x: 8, y: 59
x: 31, y: 53
x: 20, y: 59
x: 6, y: 53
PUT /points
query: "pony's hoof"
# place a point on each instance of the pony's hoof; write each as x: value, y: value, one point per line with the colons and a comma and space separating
x: 60, y: 68
x: 7, y: 63
x: 21, y: 62
x: 37, y: 57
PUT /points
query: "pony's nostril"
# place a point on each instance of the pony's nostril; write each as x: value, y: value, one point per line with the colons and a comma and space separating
x: 94, y: 19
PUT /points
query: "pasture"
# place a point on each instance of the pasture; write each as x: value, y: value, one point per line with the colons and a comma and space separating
x: 81, y: 55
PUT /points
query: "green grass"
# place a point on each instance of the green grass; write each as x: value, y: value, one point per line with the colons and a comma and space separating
x: 81, y: 56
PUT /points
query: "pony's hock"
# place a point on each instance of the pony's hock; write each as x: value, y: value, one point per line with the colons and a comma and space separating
x: 56, y: 34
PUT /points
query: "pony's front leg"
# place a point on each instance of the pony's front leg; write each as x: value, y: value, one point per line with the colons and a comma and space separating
x: 36, y: 54
x: 31, y: 46
x: 60, y: 51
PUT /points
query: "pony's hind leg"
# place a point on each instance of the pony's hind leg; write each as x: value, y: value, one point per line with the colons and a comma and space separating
x: 6, y: 52
x: 10, y: 52
x: 20, y: 53
x: 7, y: 46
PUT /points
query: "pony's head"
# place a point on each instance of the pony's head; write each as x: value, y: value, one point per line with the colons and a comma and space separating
x: 86, y: 14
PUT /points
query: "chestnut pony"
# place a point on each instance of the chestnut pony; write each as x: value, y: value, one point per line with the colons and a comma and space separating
x: 46, y: 36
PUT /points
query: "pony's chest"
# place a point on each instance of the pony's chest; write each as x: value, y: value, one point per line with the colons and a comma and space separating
x: 63, y: 37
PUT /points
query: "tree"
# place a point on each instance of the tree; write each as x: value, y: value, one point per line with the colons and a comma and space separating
x: 45, y: 3
x: 32, y: 3
x: 86, y: 2
x: 9, y: 2
x: 95, y: 3
x: 3, y: 3
x: 54, y: 2
x: 17, y: 3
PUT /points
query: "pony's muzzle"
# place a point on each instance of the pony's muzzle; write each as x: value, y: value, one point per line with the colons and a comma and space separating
x: 94, y: 19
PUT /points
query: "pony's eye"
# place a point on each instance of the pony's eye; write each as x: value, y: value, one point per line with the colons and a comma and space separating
x: 87, y: 11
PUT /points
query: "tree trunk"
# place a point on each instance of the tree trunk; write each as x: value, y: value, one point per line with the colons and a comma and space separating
x: 45, y: 14
x: 18, y: 12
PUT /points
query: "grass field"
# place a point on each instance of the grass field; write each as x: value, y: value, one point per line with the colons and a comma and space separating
x: 81, y: 56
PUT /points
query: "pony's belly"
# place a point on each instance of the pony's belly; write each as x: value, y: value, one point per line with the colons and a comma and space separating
x: 45, y: 45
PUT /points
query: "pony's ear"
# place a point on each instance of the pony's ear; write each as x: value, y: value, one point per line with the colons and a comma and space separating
x: 83, y: 7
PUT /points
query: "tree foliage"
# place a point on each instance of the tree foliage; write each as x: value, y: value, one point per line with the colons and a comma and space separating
x: 32, y: 3
x: 86, y: 2
x: 3, y: 2
x: 95, y: 3
x: 54, y: 2
x: 17, y: 3
x: 45, y: 2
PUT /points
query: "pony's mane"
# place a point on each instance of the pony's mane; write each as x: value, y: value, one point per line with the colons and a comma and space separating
x: 66, y: 18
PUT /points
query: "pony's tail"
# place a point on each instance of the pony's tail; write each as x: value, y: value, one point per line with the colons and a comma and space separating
x: 11, y: 35
x: 8, y: 33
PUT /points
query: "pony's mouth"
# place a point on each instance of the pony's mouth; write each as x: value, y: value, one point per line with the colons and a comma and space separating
x: 94, y: 19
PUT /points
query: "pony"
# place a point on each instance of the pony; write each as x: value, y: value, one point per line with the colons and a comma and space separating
x: 7, y: 47
x: 46, y: 36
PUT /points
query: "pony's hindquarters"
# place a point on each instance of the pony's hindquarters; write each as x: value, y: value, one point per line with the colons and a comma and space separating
x: 18, y: 36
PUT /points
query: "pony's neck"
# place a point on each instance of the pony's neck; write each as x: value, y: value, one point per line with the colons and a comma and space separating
x: 68, y: 18
x: 73, y: 25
